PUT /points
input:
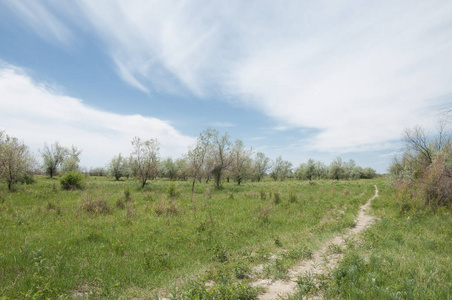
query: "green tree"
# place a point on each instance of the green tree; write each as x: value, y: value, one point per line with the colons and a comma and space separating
x: 15, y: 159
x: 240, y: 161
x: 117, y: 167
x: 145, y: 157
x: 53, y: 156
x: 261, y: 164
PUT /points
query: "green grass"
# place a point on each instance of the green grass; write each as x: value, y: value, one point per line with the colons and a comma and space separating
x: 115, y: 240
x: 405, y: 255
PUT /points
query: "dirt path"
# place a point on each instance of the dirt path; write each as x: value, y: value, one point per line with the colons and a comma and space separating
x: 321, y: 262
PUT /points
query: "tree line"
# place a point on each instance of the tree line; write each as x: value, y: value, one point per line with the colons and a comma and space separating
x: 214, y: 157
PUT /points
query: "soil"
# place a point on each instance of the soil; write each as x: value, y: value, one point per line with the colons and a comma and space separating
x: 321, y: 262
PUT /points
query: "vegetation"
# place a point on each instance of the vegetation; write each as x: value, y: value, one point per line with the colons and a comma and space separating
x: 115, y: 239
x: 405, y: 255
x: 16, y: 162
x: 423, y: 175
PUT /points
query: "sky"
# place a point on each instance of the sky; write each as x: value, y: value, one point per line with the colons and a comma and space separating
x: 300, y: 79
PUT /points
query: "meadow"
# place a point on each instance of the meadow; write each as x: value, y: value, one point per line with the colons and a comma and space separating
x: 113, y: 239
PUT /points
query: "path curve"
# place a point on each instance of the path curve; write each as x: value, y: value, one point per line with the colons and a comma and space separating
x: 321, y: 262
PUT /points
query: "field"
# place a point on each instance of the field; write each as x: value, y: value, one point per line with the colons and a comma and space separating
x: 115, y: 240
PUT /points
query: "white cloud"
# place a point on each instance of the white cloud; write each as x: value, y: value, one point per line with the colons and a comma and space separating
x: 356, y: 72
x: 36, y: 114
x: 41, y: 19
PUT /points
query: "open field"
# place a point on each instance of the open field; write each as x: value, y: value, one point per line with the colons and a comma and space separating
x: 113, y: 239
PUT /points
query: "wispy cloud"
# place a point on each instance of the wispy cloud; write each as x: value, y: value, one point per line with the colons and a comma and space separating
x: 356, y: 72
x: 36, y: 114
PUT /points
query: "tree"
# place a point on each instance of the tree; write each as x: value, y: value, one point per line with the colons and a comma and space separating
x: 281, y: 169
x: 300, y: 171
x: 197, y: 155
x: 417, y: 141
x: 240, y: 161
x: 168, y: 168
x: 336, y: 169
x: 145, y: 158
x: 220, y: 155
x: 310, y: 171
x: 261, y: 165
x: 53, y: 157
x: 117, y: 167
x: 15, y: 159
x: 71, y: 161
x: 182, y: 168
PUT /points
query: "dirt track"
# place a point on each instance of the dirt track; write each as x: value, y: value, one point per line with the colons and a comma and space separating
x: 321, y: 261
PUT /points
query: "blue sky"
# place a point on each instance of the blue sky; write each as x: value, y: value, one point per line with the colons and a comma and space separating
x: 300, y: 79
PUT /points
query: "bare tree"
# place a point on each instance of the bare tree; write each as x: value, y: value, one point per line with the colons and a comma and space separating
x: 416, y: 139
x: 145, y: 158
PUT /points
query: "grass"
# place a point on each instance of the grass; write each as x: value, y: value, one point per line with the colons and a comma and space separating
x: 405, y: 255
x: 114, y: 240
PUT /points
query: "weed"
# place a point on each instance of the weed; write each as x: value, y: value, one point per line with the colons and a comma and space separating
x: 334, y: 249
x: 277, y: 198
x: 120, y: 203
x: 292, y: 197
x: 346, y: 192
x: 305, y: 284
x: 241, y: 270
x: 276, y: 269
x: 278, y: 242
x: 163, y: 207
x: 220, y: 253
x: 127, y: 195
x: 157, y: 260
x: 95, y: 206
x: 263, y: 194
x: 172, y: 191
x: 264, y: 214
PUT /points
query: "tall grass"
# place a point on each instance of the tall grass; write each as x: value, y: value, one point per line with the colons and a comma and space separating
x: 113, y: 239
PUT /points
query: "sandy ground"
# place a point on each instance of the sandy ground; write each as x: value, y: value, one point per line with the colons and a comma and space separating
x: 321, y: 261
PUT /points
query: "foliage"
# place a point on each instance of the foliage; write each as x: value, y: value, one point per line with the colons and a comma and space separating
x: 117, y: 167
x: 424, y: 173
x: 15, y: 160
x: 71, y: 181
x: 145, y: 158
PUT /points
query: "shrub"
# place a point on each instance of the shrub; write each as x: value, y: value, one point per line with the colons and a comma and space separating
x: 172, y: 191
x: 95, y: 206
x: 26, y: 179
x: 71, y: 181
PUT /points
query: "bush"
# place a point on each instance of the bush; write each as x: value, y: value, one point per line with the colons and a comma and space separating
x: 95, y: 206
x: 26, y: 179
x: 71, y: 181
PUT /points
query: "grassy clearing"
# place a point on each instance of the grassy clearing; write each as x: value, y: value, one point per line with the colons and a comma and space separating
x: 405, y: 255
x: 115, y: 240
